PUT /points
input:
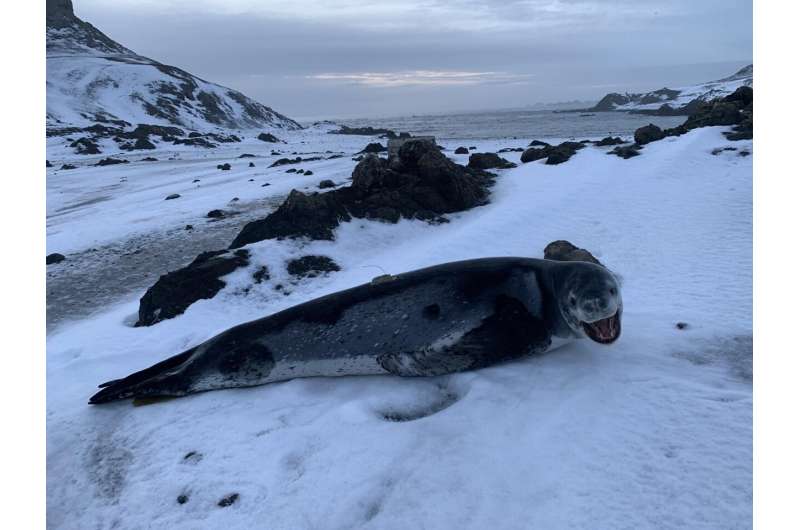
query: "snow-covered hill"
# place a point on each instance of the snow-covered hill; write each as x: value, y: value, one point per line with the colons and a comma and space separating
x: 679, y: 100
x: 91, y: 78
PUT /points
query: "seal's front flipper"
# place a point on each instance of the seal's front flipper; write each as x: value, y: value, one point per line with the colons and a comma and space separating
x: 508, y: 333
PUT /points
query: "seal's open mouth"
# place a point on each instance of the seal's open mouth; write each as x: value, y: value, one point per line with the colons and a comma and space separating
x: 604, y: 331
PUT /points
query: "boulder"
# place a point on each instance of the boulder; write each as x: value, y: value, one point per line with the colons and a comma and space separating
x: 55, y: 257
x: 311, y: 266
x: 308, y: 172
x: 626, y: 151
x: 111, y: 161
x: 538, y: 143
x: 555, y: 154
x: 648, y: 133
x: 461, y: 150
x: 374, y: 147
x: 609, y: 140
x: 489, y: 161
x: 327, y: 183
x: 251, y: 165
x: 175, y: 291
x: 268, y: 137
x: 285, y: 161
x: 562, y: 250
x: 215, y: 214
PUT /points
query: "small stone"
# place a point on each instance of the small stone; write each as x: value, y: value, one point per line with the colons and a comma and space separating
x: 188, y: 227
x: 681, y: 325
x: 224, y: 167
x: 195, y: 180
x: 172, y: 196
x: 182, y: 499
x: 265, y: 185
x: 227, y: 501
x: 55, y: 257
x: 251, y: 165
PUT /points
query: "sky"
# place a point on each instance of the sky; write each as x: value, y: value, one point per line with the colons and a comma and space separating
x: 314, y: 59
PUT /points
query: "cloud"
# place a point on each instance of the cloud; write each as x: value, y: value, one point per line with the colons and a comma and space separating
x: 421, y: 78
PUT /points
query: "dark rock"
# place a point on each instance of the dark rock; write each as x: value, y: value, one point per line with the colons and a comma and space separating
x: 235, y: 199
x: 177, y: 290
x: 48, y: 163
x: 626, y: 151
x: 648, y: 133
x: 55, y: 257
x: 716, y: 112
x: 224, y: 167
x: 111, y: 161
x: 555, y: 154
x: 247, y: 155
x: 562, y: 250
x: 364, y: 131
x: 285, y: 161
x: 538, y: 143
x: 311, y: 266
x: 195, y: 180
x: 374, y: 147
x: 149, y: 159
x: 68, y: 166
x: 265, y: 185
x: 188, y: 227
x: 308, y: 172
x: 172, y: 196
x: 472, y: 148
x: 609, y: 140
x: 681, y: 325
x: 717, y: 150
x: 216, y: 214
x: 327, y: 183
x: 314, y: 216
x: 144, y: 131
x: 268, y: 137
x: 461, y: 151
x: 744, y: 152
x: 488, y: 161
x: 182, y: 499
x: 742, y: 95
x: 227, y: 501
x: 421, y: 183
x: 261, y: 275
x: 511, y: 150
x: 251, y: 165
x: 139, y: 144
x: 291, y: 170
x: 85, y: 146
x: 195, y: 142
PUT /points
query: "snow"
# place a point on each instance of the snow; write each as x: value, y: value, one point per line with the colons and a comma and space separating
x: 654, y: 431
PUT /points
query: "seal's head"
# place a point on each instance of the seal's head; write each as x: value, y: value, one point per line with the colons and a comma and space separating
x: 591, y: 303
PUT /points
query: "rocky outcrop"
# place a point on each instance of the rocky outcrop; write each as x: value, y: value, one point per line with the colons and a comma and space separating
x: 554, y: 154
x: 85, y: 146
x: 175, y: 291
x: 562, y: 250
x: 648, y: 133
x: 110, y: 161
x: 489, y: 161
x: 626, y: 151
x: 421, y: 183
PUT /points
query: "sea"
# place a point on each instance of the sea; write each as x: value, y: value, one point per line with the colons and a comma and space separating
x: 519, y: 124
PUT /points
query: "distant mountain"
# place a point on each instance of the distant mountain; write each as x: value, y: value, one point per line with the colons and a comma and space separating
x: 679, y: 101
x: 92, y: 78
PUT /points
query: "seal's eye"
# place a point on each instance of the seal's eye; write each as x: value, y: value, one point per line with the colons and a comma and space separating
x: 613, y: 291
x: 573, y: 301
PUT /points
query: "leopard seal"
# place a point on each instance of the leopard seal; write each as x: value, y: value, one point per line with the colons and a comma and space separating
x: 443, y: 319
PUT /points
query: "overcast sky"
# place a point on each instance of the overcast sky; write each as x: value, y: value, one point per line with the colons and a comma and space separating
x: 353, y: 58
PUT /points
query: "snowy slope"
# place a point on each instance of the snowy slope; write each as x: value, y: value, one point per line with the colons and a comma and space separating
x: 652, y: 432
x: 92, y: 78
x: 678, y: 97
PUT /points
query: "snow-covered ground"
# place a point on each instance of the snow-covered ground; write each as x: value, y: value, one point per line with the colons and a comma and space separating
x: 654, y: 431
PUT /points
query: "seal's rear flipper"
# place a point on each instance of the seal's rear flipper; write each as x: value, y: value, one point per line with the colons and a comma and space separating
x: 151, y: 381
